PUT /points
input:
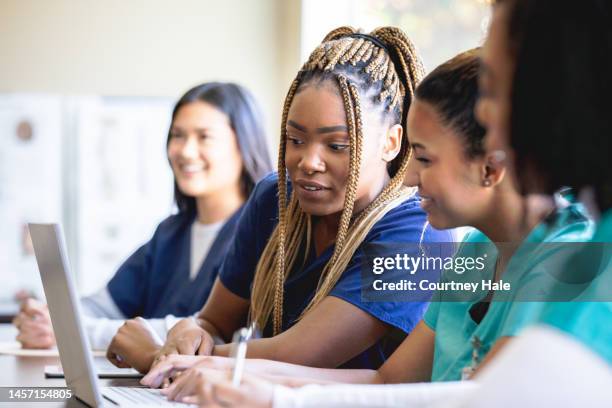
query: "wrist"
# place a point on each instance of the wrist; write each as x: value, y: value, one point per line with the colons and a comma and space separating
x: 151, y: 356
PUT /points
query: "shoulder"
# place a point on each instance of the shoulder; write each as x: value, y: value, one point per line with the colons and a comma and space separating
x: 262, y: 204
x: 475, y: 236
x: 175, y: 224
x: 266, y: 188
x: 267, y: 184
x: 407, y: 223
x: 604, y: 229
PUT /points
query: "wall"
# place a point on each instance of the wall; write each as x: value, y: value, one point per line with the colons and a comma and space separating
x: 149, y: 47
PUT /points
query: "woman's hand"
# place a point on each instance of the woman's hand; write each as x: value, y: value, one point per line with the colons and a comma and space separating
x: 186, y: 337
x: 203, y: 386
x: 170, y: 366
x: 135, y: 345
x: 34, y: 325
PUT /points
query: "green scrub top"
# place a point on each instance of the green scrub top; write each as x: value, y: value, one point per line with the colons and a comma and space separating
x: 454, y: 327
x: 590, y: 322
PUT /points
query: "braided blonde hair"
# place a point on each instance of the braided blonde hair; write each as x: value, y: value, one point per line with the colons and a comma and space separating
x: 387, y: 61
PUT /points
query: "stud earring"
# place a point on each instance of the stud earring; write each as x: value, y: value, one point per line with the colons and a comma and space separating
x: 486, y: 183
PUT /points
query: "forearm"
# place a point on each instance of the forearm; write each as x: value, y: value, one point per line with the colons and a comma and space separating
x: 288, y: 350
x: 263, y: 360
x: 101, y: 304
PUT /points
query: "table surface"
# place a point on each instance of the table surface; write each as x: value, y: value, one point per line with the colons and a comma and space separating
x: 16, y: 371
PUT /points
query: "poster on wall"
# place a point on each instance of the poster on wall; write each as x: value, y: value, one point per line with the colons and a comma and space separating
x: 124, y: 181
x: 97, y: 165
x: 30, y: 184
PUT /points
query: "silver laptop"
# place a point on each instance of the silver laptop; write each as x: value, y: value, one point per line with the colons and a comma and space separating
x: 72, y: 343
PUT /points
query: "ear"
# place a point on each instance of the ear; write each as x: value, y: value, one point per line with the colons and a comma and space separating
x: 392, y: 143
x: 493, y: 170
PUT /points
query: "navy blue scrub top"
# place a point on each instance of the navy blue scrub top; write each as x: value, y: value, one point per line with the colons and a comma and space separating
x: 400, y: 225
x: 154, y: 281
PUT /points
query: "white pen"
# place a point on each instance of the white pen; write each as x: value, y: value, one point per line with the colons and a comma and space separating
x: 239, y: 351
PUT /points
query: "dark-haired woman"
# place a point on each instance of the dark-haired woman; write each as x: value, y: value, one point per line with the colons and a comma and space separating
x: 460, y: 185
x: 546, y: 90
x: 295, y: 266
x: 559, y: 133
x: 217, y: 151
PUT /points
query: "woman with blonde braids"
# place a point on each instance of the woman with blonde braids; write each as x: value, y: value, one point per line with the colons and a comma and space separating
x: 459, y: 184
x: 295, y: 267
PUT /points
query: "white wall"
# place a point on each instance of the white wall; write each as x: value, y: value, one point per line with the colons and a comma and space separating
x: 149, y: 47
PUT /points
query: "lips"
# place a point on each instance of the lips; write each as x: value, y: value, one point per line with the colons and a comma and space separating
x: 191, y: 168
x: 310, y: 188
x: 310, y: 185
x: 426, y: 201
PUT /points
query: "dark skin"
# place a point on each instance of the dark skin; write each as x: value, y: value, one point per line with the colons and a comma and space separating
x: 439, y: 164
x: 334, y: 331
x: 136, y: 333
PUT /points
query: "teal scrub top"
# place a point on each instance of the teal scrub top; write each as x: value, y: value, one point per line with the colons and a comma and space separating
x: 451, y: 320
x: 590, y: 322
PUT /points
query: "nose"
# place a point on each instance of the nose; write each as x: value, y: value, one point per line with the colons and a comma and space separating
x: 311, y: 162
x: 411, y: 179
x: 190, y: 148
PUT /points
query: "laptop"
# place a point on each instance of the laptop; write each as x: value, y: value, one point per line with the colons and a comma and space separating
x: 72, y: 343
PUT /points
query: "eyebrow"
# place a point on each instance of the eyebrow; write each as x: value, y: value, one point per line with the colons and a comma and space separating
x: 331, y: 129
x: 417, y: 146
x: 199, y: 129
x: 324, y: 129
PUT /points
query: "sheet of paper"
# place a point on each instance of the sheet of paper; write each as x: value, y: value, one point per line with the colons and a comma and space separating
x: 30, y: 182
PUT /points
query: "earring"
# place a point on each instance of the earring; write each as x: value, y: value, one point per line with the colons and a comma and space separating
x: 486, y: 183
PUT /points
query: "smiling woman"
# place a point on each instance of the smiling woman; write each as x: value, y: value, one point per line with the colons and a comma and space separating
x: 452, y: 164
x: 205, y: 159
x: 295, y: 265
x: 217, y: 151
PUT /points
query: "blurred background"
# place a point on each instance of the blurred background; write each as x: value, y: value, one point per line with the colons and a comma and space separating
x: 87, y: 88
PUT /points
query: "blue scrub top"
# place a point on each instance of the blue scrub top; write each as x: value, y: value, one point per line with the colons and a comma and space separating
x: 154, y: 281
x: 403, y: 224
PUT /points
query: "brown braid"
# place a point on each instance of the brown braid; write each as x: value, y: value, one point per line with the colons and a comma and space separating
x: 357, y: 64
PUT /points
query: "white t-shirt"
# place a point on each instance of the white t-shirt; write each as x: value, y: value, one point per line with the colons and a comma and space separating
x: 202, y: 238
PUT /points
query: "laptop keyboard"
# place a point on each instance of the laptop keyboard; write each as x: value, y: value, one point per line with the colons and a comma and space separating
x: 139, y: 396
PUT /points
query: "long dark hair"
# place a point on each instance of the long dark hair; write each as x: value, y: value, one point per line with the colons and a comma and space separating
x: 561, y: 120
x: 246, y: 121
